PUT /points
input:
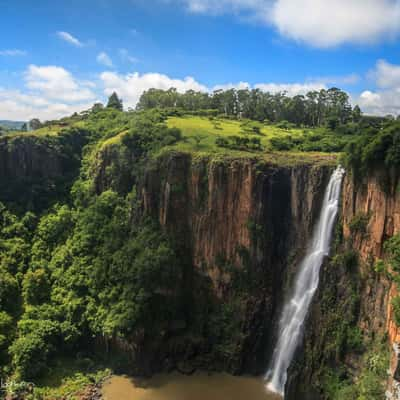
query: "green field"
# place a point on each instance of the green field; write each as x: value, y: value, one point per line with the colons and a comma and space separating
x: 200, y: 133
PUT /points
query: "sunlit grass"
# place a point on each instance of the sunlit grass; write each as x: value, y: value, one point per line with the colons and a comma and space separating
x: 200, y: 133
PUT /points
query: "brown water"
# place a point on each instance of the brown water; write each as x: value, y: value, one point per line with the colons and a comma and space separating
x: 179, y: 387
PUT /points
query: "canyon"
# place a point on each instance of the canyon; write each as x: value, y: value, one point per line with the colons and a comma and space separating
x: 250, y: 218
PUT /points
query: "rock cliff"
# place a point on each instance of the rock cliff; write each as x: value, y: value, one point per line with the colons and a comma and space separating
x: 352, y: 293
x: 35, y: 171
x: 253, y: 216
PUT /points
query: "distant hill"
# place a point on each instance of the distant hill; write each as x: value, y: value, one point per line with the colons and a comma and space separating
x: 11, y: 124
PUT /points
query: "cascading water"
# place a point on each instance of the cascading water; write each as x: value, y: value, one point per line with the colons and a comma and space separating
x: 296, y: 308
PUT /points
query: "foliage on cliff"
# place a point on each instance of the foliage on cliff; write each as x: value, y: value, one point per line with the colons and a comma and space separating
x: 82, y: 265
x: 377, y: 146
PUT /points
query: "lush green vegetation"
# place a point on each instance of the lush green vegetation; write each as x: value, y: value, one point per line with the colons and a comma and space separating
x: 78, y: 268
x: 371, y: 380
x: 80, y: 264
x: 376, y: 147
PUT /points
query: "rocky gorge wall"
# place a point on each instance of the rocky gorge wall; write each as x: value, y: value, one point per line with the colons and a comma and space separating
x: 378, y: 199
x: 37, y: 170
x: 233, y: 215
x: 352, y: 295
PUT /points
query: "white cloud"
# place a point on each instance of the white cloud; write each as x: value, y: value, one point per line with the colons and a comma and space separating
x: 380, y: 103
x: 104, y: 59
x: 16, y: 105
x: 325, y: 23
x: 385, y: 99
x: 237, y: 86
x: 56, y: 83
x: 13, y: 53
x: 386, y: 75
x: 320, y: 23
x: 67, y: 37
x: 131, y: 86
x: 292, y: 89
x: 350, y: 79
x: 127, y: 57
x: 50, y: 92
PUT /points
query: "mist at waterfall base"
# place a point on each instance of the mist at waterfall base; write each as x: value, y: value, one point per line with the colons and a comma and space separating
x: 306, y: 283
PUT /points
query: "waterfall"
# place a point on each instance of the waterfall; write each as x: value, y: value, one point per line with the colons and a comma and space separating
x: 307, y: 279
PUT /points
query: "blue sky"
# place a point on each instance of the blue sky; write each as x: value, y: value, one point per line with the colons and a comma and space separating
x: 57, y: 57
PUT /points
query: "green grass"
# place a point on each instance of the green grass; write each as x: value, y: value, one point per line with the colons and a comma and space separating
x: 114, y: 139
x: 52, y: 130
x: 209, y: 130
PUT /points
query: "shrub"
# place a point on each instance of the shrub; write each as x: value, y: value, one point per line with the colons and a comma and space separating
x: 282, y: 143
x: 396, y: 309
x: 359, y: 223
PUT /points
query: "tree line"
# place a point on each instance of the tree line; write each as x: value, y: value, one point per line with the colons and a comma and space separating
x: 316, y: 108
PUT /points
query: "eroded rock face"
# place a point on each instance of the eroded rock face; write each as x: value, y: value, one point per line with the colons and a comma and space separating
x: 377, y: 198
x: 243, y: 213
x: 35, y: 171
x: 370, y: 214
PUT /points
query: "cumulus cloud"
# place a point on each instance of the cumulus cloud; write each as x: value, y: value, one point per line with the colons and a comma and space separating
x: 16, y: 105
x: 350, y: 79
x: 385, y: 99
x: 329, y: 23
x: 237, y: 86
x: 67, y: 37
x: 319, y: 23
x: 292, y: 89
x: 13, y: 53
x: 386, y: 75
x: 104, y: 59
x: 49, y: 92
x: 56, y: 83
x: 380, y: 103
x: 131, y: 86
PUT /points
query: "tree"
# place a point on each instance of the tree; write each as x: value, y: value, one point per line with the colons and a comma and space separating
x: 97, y: 107
x: 34, y: 124
x: 115, y: 102
x: 356, y: 114
x: 198, y: 138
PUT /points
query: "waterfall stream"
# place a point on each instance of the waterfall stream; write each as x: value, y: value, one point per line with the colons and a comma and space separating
x: 306, y: 283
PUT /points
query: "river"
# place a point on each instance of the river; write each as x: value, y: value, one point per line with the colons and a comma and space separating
x: 199, y: 386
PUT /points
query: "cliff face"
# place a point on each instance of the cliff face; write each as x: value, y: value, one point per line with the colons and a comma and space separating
x: 377, y: 199
x: 252, y: 216
x: 350, y: 288
x: 35, y: 171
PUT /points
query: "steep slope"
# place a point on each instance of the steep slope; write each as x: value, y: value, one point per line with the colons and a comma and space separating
x: 242, y: 224
x: 352, y: 313
x: 38, y: 170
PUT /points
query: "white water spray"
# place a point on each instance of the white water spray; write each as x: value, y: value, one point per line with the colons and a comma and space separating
x: 296, y: 308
